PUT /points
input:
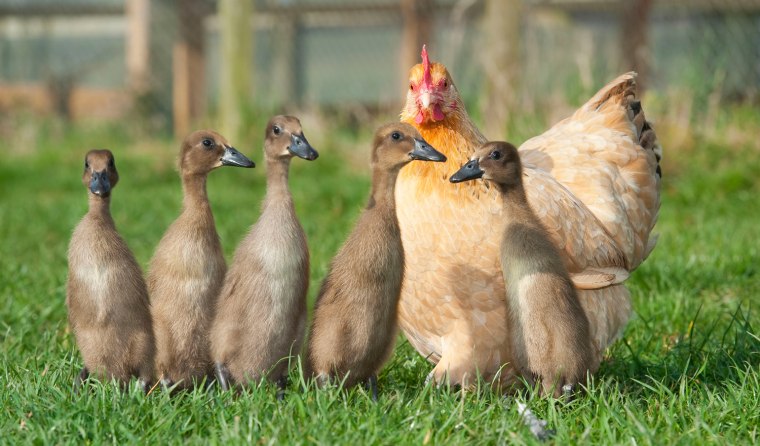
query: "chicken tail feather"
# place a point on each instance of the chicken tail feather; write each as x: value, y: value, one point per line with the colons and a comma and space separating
x: 623, y: 91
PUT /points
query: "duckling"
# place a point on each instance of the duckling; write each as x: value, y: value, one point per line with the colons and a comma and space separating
x: 550, y: 331
x: 188, y: 267
x: 261, y: 310
x: 108, y: 306
x: 355, y: 316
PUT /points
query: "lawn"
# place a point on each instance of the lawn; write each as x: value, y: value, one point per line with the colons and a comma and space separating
x: 685, y: 371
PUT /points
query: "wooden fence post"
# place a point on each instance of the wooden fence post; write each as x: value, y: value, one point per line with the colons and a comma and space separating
x: 138, y: 45
x: 189, y: 89
x: 236, y: 39
x: 501, y: 64
x: 418, y: 30
x: 633, y: 39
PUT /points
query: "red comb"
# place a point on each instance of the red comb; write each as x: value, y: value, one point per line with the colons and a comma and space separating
x: 427, y: 78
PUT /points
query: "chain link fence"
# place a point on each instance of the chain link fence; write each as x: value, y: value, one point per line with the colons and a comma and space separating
x: 111, y: 59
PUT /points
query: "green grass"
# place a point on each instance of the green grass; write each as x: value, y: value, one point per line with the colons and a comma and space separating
x: 685, y: 372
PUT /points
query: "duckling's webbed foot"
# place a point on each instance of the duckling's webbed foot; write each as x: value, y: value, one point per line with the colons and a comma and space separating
x: 372, y: 386
x: 144, y: 385
x: 81, y: 378
x: 223, y: 375
x: 282, y: 383
x: 568, y: 390
x: 167, y: 383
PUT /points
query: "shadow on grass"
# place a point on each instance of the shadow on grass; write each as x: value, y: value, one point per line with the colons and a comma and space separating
x: 711, y: 352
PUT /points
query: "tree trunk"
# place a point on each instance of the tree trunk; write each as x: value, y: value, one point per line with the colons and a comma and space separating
x: 501, y: 64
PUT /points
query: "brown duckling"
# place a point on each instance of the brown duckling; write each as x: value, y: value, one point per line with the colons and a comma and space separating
x: 355, y: 316
x: 550, y: 330
x: 188, y: 267
x: 261, y: 311
x: 108, y: 306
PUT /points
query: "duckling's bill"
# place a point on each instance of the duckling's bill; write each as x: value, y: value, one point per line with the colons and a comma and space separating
x: 301, y: 148
x: 469, y: 171
x: 232, y: 157
x: 99, y: 184
x: 425, y: 152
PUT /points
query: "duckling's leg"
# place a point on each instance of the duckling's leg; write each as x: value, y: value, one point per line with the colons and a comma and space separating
x: 322, y: 380
x: 282, y: 383
x: 372, y: 386
x: 80, y: 378
x: 145, y: 378
x: 223, y: 376
x: 143, y: 385
x: 209, y: 379
x: 166, y: 383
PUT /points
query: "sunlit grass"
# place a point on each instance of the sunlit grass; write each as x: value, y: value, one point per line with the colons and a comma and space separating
x: 685, y: 371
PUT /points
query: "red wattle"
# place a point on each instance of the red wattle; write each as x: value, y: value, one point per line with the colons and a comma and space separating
x: 438, y: 113
x: 419, y: 118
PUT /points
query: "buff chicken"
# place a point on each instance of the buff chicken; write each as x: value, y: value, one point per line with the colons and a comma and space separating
x: 594, y: 182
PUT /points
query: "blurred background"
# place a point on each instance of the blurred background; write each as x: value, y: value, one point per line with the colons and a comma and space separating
x: 164, y: 67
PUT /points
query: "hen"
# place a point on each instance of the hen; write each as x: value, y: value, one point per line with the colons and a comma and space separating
x: 594, y: 181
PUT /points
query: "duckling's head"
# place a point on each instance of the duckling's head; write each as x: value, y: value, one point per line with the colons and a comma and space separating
x: 496, y: 161
x: 285, y: 139
x: 397, y: 144
x: 205, y: 150
x: 100, y: 175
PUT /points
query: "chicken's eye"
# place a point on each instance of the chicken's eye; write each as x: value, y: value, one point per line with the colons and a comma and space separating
x: 396, y: 136
x: 276, y: 130
x: 445, y: 83
x: 411, y: 87
x: 495, y: 155
x: 208, y: 143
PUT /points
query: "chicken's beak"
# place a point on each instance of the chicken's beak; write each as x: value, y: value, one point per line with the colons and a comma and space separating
x: 234, y: 158
x: 425, y: 152
x: 99, y: 184
x: 469, y: 171
x: 301, y: 148
x: 425, y: 99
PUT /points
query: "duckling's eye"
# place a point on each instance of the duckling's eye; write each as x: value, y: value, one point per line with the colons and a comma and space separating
x: 396, y: 136
x: 86, y: 164
x: 208, y: 142
x: 495, y: 155
x: 276, y: 130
